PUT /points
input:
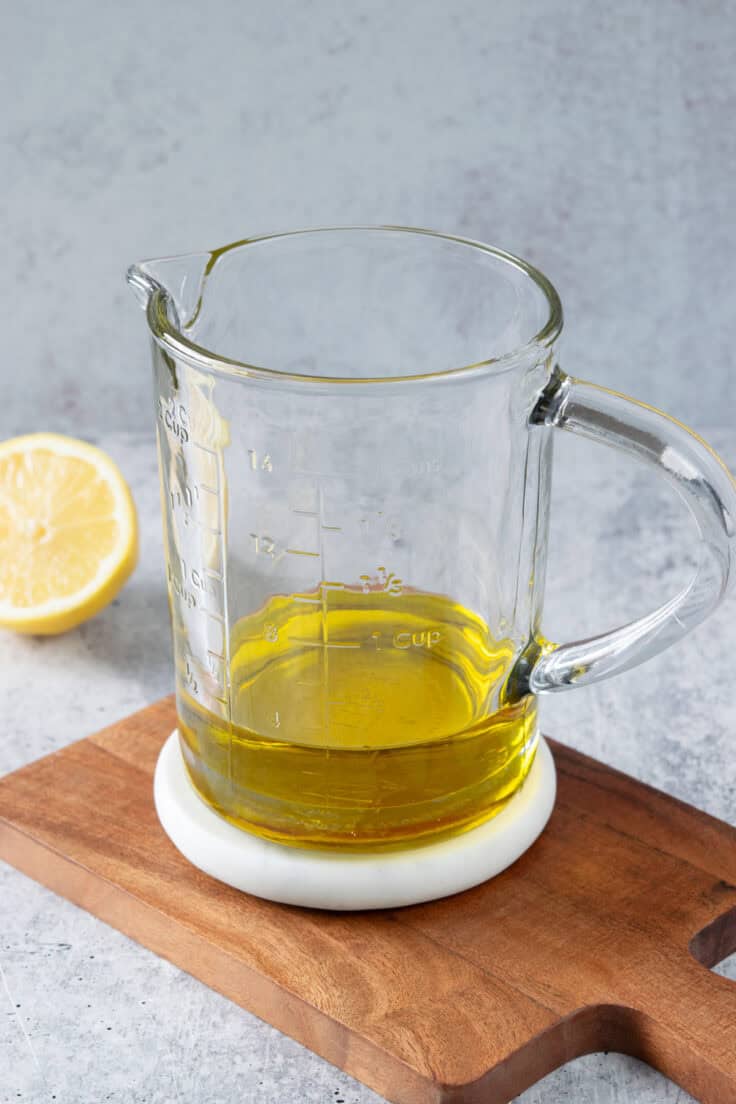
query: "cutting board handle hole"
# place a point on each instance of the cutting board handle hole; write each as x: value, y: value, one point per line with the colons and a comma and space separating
x: 715, y: 945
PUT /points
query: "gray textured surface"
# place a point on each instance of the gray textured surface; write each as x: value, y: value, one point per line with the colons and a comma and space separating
x: 86, y: 1016
x: 595, y: 139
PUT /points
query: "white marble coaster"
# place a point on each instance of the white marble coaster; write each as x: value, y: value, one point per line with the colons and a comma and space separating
x: 334, y: 880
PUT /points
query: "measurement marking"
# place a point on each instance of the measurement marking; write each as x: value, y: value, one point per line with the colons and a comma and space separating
x: 305, y: 513
x: 326, y: 644
x: 208, y: 528
x: 301, y: 552
x: 328, y: 585
x: 203, y: 448
x: 214, y: 574
x: 222, y: 701
x: 206, y: 487
x: 308, y: 601
x: 333, y: 528
x: 215, y: 616
x: 215, y: 655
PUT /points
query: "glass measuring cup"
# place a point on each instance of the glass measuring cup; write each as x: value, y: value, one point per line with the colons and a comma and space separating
x: 355, y: 438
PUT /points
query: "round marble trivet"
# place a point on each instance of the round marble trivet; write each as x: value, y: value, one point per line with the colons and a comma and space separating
x: 336, y: 880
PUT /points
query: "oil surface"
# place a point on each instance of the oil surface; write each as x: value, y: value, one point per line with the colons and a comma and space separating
x: 361, y: 719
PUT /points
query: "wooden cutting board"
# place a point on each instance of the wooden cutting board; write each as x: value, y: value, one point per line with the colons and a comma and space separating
x: 599, y: 938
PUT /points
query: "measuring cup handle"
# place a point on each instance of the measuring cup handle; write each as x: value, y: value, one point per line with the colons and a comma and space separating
x: 702, y: 480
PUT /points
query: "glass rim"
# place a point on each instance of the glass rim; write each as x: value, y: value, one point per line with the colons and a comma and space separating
x: 174, y: 341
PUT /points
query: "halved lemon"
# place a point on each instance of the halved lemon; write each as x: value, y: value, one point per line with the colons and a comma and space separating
x: 68, y: 532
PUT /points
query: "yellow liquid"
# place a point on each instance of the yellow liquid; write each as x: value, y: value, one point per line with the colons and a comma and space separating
x: 363, y: 719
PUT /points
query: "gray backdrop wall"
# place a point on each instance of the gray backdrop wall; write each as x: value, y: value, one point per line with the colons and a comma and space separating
x: 597, y: 140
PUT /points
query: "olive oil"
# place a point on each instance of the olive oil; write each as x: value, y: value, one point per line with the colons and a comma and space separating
x: 361, y: 719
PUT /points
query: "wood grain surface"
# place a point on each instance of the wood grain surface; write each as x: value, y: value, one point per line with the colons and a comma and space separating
x: 599, y: 938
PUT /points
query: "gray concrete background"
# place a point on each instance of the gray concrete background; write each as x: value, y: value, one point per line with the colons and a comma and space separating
x: 597, y: 141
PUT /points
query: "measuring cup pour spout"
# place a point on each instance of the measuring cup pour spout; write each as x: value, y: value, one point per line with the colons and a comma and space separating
x: 177, y: 279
